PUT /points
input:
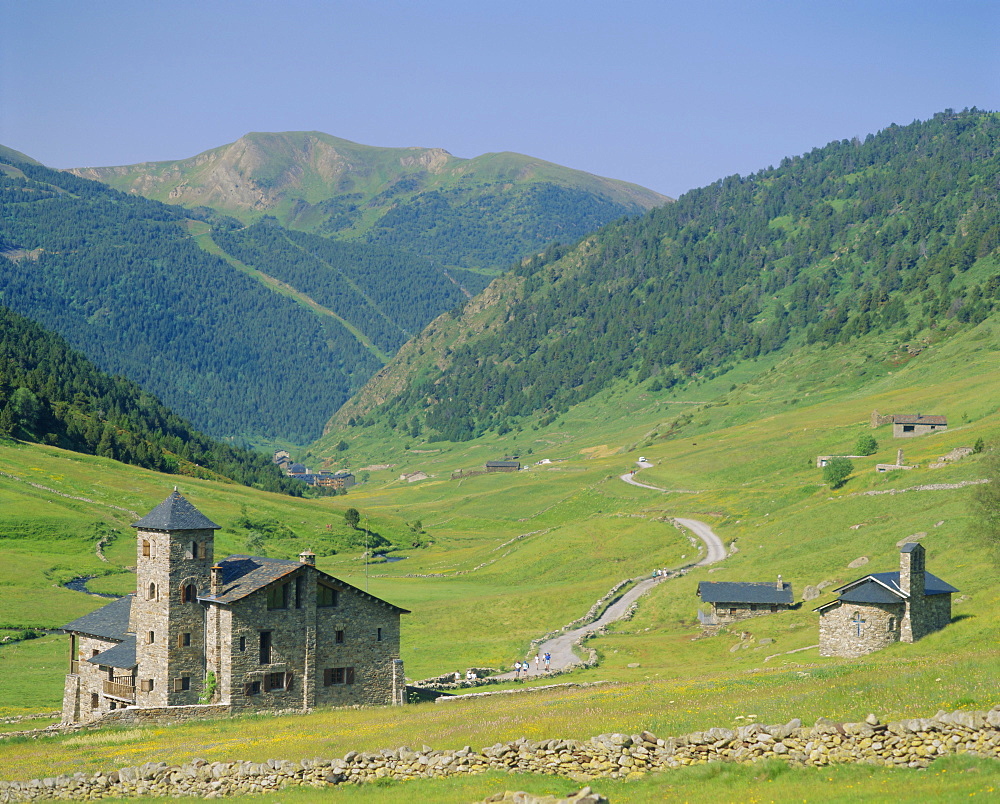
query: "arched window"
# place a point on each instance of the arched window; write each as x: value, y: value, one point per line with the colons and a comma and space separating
x: 147, y: 549
x: 152, y: 592
x: 190, y: 593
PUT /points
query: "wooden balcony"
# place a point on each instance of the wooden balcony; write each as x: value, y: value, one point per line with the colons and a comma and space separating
x: 122, y: 688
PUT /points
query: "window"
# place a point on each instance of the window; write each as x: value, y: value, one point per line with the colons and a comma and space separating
x: 151, y: 592
x: 190, y: 593
x: 184, y: 640
x: 908, y: 428
x: 326, y: 596
x: 146, y: 685
x: 196, y: 550
x: 333, y: 676
x: 892, y: 624
x: 94, y: 652
x: 338, y: 636
x: 148, y: 549
x: 150, y: 637
x: 733, y: 610
x: 277, y: 596
x: 275, y: 681
x: 378, y: 635
x: 251, y: 688
x: 265, y: 647
x: 243, y: 643
x: 182, y: 684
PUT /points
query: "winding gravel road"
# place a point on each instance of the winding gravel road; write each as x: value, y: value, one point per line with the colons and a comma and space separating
x: 561, y: 647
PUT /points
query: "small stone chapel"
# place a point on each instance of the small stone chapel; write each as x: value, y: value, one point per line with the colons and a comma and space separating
x: 246, y: 632
x: 885, y: 607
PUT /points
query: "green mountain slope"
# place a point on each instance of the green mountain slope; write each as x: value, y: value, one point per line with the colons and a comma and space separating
x: 50, y: 393
x: 122, y: 279
x: 479, y: 213
x: 897, y: 234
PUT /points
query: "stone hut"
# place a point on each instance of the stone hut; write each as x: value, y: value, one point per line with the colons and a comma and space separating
x: 247, y: 632
x: 503, y: 466
x: 732, y: 601
x: 879, y: 609
x: 915, y: 424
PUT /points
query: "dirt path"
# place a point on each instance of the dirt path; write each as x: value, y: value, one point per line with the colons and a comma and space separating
x: 561, y: 647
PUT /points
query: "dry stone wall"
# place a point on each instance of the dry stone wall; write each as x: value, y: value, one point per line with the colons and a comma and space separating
x: 908, y: 743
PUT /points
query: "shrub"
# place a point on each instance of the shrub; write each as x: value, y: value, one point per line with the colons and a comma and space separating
x: 836, y: 472
x: 867, y: 445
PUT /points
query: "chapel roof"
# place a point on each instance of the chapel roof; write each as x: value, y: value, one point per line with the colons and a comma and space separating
x: 176, y: 513
x: 121, y: 655
x: 883, y: 587
x: 243, y: 575
x: 745, y: 592
x: 107, y: 622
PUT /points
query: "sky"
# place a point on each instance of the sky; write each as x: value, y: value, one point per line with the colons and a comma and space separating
x: 669, y: 95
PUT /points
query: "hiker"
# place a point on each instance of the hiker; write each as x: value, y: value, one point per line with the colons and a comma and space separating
x: 548, y: 658
x: 517, y: 671
x: 538, y: 659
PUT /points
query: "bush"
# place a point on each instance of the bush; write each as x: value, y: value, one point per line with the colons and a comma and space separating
x: 867, y: 445
x: 836, y: 472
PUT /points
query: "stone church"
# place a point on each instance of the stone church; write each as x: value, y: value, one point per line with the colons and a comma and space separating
x: 245, y: 632
x: 885, y: 607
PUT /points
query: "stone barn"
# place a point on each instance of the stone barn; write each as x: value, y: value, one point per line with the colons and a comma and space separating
x: 732, y: 600
x: 879, y: 609
x: 915, y: 424
x: 247, y: 632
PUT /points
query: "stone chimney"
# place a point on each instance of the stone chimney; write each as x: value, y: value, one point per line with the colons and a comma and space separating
x: 216, y: 580
x: 911, y: 571
x: 308, y: 557
x: 780, y: 585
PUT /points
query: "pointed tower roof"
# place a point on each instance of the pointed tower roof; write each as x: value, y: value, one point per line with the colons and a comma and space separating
x: 176, y: 513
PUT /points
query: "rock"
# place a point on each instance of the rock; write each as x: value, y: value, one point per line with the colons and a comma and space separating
x: 858, y: 562
x: 872, y: 720
x: 634, y: 664
x: 810, y: 593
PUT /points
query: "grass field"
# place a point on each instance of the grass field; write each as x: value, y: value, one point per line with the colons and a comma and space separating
x: 506, y: 558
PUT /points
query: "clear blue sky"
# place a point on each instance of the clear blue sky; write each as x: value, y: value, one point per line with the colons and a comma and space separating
x: 670, y: 95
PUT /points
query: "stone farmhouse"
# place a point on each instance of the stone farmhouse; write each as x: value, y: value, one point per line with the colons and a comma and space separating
x: 503, y: 466
x: 879, y: 609
x: 732, y: 601
x: 246, y: 632
x: 910, y: 425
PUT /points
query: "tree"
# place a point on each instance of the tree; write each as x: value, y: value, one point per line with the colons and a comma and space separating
x: 836, y: 472
x: 352, y: 517
x: 867, y: 445
x: 25, y: 408
x: 986, y: 501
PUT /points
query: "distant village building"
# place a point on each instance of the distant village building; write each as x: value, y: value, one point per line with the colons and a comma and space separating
x: 503, y: 466
x: 281, y: 457
x: 732, y: 600
x: 246, y: 632
x: 910, y: 425
x: 879, y: 609
x: 295, y: 469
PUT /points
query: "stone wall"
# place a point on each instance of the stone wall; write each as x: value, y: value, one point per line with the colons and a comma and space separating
x: 724, y: 614
x: 909, y: 743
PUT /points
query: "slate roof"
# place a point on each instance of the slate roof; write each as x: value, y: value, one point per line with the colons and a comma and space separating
x: 121, y: 655
x: 243, y: 575
x: 504, y: 464
x: 108, y: 622
x: 918, y: 418
x: 745, y: 592
x: 883, y: 587
x: 175, y: 513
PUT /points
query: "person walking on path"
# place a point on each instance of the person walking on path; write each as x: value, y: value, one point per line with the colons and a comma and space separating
x: 517, y: 671
x: 537, y: 660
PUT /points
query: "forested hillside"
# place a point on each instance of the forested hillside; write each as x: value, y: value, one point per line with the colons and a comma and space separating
x: 52, y: 394
x: 897, y: 233
x: 481, y: 213
x: 123, y: 280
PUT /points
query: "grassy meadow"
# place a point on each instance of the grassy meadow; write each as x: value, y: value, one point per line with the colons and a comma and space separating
x: 500, y: 559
